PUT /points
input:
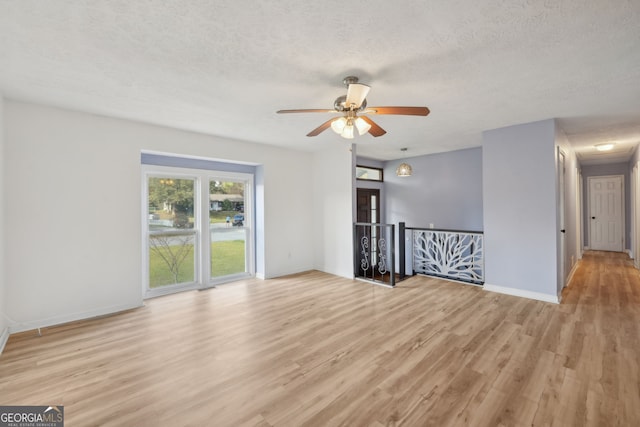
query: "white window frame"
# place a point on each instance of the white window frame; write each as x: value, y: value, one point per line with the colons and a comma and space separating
x: 149, y: 171
x: 202, y: 240
x: 249, y: 221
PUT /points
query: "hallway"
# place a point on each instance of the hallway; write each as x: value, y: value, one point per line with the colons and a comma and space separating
x: 600, y: 313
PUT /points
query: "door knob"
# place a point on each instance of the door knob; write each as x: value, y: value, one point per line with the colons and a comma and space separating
x: 562, y: 231
x: 593, y: 217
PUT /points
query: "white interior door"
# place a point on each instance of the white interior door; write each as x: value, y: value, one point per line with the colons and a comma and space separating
x: 606, y: 219
x: 562, y: 271
x: 636, y: 217
x: 633, y: 220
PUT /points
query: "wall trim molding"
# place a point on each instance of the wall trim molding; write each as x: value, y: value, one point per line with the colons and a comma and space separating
x: 555, y: 299
x: 66, y: 318
x: 4, y: 337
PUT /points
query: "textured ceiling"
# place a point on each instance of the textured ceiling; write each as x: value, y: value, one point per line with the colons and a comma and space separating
x: 225, y: 67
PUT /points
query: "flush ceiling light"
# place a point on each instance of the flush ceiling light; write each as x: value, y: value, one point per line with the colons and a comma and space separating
x: 605, y: 147
x: 404, y: 169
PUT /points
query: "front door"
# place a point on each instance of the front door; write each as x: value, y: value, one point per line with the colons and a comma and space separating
x: 368, y: 205
x: 368, y: 211
x: 605, y: 213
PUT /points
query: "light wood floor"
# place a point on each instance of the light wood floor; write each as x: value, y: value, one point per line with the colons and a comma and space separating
x: 313, y: 349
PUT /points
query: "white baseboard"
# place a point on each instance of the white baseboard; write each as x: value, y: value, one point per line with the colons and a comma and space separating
x: 58, y: 320
x: 523, y: 293
x: 260, y: 276
x: 4, y: 336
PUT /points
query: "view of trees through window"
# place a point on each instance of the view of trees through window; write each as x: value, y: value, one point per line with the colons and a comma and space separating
x: 171, y: 231
x: 172, y: 250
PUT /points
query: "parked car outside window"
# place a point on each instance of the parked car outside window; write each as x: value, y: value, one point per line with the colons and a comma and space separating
x: 238, y: 220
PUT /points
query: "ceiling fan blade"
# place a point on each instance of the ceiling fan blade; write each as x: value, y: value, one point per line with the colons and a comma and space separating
x: 313, y: 110
x: 356, y: 93
x: 317, y: 131
x: 408, y: 111
x: 375, y: 130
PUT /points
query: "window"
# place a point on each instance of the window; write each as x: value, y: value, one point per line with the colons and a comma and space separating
x: 228, y: 226
x: 197, y: 228
x: 172, y: 231
x: 367, y: 173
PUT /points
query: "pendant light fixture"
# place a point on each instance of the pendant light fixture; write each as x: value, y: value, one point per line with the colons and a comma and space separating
x: 404, y: 169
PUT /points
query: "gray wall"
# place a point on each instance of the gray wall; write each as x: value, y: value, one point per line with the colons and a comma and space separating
x: 509, y: 189
x: 520, y: 208
x: 445, y: 190
x: 604, y: 170
x: 635, y: 157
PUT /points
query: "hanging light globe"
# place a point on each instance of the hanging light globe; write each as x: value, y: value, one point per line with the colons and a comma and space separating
x: 404, y: 169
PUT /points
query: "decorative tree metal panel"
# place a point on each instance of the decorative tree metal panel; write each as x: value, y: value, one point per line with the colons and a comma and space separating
x: 449, y: 254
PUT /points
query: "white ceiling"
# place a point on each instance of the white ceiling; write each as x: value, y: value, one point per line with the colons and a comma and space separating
x: 225, y: 67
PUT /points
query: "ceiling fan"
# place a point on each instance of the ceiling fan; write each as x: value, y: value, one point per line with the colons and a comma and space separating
x: 352, y: 104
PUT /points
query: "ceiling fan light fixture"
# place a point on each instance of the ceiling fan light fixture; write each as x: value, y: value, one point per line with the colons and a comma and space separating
x: 352, y: 104
x: 356, y: 94
x: 605, y: 147
x: 348, y: 131
x: 362, y: 125
x: 338, y: 125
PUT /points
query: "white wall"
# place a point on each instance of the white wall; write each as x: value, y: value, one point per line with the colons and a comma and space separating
x: 520, y: 217
x: 4, y: 323
x: 73, y: 209
x: 334, y: 187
